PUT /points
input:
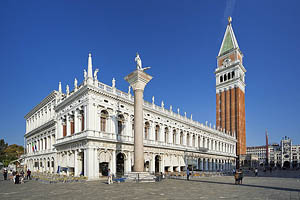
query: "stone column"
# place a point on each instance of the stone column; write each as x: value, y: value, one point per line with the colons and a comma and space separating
x: 88, y: 163
x: 138, y: 80
x: 128, y: 162
x: 68, y: 125
x: 152, y: 169
x: 76, y: 171
x: 76, y: 122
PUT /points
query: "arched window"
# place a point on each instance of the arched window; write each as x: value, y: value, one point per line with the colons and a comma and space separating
x: 232, y: 74
x: 228, y: 76
x: 174, y: 136
x: 199, y: 141
x: 221, y: 79
x: 215, y: 145
x: 212, y: 144
x: 166, y: 134
x: 103, y: 120
x: 147, y: 129
x: 203, y: 142
x: 225, y: 77
x: 157, y: 132
x: 181, y: 137
x: 121, y: 121
x: 188, y: 139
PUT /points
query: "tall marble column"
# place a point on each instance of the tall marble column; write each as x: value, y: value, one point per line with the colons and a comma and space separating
x: 138, y: 80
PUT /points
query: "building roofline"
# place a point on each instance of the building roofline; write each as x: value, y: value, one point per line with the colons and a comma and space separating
x: 46, y: 100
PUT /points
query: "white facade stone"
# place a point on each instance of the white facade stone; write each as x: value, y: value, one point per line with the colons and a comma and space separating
x: 80, y: 132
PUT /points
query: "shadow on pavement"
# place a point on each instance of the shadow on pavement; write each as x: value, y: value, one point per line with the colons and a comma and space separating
x: 244, y: 185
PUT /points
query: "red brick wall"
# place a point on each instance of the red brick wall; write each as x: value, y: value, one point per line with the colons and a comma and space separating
x: 227, y: 112
x: 217, y: 110
x: 233, y: 114
x: 223, y: 109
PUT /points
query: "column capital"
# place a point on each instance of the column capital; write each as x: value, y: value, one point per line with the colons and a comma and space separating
x: 138, y: 79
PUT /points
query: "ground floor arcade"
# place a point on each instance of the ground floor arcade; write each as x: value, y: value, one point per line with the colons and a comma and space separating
x: 93, y: 159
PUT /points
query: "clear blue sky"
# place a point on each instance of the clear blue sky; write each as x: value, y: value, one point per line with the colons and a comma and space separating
x: 44, y: 42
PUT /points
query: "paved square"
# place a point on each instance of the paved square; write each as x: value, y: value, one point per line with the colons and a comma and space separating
x: 200, y: 188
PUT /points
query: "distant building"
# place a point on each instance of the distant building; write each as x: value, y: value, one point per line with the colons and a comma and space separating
x: 284, y: 154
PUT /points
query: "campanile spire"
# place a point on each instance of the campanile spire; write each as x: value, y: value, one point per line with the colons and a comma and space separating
x: 230, y: 89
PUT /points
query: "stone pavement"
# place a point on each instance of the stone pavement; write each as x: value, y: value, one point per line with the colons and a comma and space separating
x: 200, y: 188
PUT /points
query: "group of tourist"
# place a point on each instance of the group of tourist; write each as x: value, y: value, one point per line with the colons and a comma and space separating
x: 238, y: 176
x: 17, y: 177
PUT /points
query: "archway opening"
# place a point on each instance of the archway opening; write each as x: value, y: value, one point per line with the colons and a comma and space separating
x: 286, y: 164
x: 120, y: 165
x: 199, y: 164
x: 147, y: 166
x: 103, y: 168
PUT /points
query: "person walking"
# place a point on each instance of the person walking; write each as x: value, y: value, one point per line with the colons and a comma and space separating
x: 5, y: 174
x: 28, y: 174
x: 188, y: 174
x: 256, y: 172
x: 109, y: 177
x: 17, y: 178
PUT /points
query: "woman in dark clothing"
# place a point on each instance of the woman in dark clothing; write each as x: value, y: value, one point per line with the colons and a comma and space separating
x: 17, y: 179
x: 5, y: 174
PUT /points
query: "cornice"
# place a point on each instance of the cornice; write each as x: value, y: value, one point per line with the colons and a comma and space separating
x: 46, y: 100
x: 81, y: 91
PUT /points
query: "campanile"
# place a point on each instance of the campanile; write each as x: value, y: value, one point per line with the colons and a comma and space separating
x: 230, y: 89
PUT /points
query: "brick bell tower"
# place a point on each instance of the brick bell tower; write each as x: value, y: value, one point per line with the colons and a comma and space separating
x: 230, y: 90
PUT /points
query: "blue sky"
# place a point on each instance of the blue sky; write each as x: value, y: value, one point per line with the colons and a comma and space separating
x: 44, y: 42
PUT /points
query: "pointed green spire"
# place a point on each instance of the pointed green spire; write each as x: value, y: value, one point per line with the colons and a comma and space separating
x: 229, y: 40
x: 228, y: 44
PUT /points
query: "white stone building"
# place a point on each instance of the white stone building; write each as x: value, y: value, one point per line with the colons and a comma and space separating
x: 88, y: 130
x: 284, y: 154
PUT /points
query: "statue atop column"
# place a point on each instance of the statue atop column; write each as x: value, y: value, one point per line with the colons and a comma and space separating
x: 152, y: 99
x: 138, y: 61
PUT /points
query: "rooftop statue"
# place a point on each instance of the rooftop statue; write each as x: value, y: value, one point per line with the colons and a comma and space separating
x: 113, y: 82
x: 129, y: 87
x: 75, y: 83
x: 85, y: 74
x: 95, y: 74
x: 67, y: 90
